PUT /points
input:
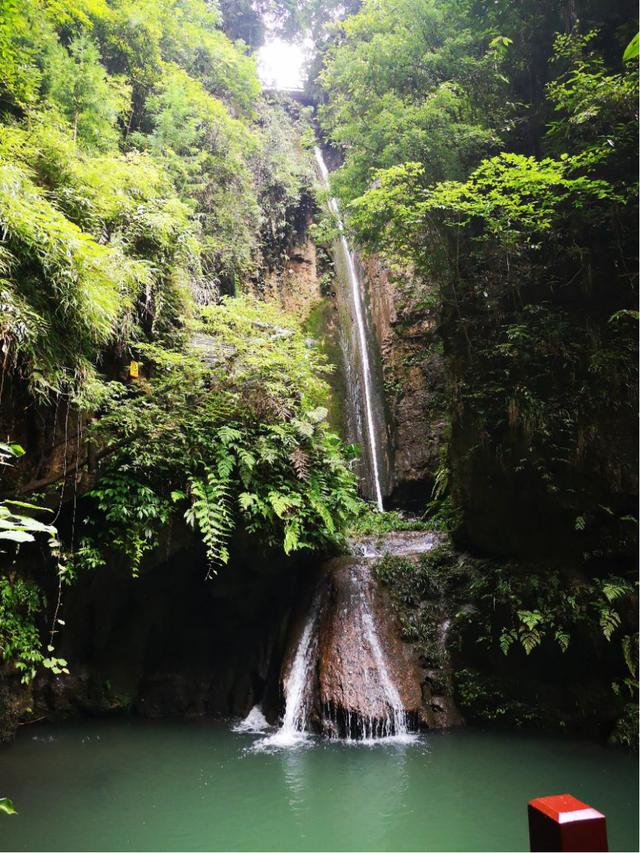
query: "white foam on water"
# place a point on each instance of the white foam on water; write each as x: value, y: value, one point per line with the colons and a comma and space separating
x: 281, y: 740
x: 255, y: 722
x: 404, y: 739
x: 292, y: 731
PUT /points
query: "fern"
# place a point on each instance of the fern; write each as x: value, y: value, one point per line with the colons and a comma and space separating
x: 609, y: 621
x: 211, y: 513
x: 301, y: 463
x: 614, y: 588
x: 292, y: 537
x: 283, y: 503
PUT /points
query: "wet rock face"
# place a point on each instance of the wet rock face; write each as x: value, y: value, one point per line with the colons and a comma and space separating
x: 353, y: 693
x: 362, y: 679
x: 414, y: 380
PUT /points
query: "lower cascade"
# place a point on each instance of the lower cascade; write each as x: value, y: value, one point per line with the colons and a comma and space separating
x: 366, y: 683
x: 297, y: 685
x: 396, y: 723
x: 347, y: 674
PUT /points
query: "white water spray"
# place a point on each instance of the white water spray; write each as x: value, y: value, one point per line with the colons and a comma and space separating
x: 292, y: 730
x: 356, y: 292
x: 255, y: 722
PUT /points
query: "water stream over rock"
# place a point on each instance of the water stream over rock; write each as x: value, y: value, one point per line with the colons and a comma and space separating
x: 370, y: 437
x: 348, y: 674
x: 367, y: 687
x: 298, y: 685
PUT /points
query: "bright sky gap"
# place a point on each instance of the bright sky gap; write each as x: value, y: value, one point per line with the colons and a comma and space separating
x: 281, y: 64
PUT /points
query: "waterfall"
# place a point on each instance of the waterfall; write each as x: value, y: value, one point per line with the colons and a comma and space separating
x: 375, y: 713
x: 360, y: 700
x: 397, y: 723
x: 292, y: 730
x: 338, y: 680
x: 356, y: 295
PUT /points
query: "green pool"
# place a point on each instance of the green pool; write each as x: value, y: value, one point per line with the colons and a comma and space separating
x: 132, y: 785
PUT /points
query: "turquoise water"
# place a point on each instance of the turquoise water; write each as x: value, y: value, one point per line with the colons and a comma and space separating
x: 132, y: 785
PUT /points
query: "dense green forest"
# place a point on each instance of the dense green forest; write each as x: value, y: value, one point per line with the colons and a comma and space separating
x: 146, y: 185
x: 490, y: 158
x: 486, y: 155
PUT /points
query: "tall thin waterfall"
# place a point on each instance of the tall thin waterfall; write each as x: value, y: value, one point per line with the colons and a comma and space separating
x: 356, y: 294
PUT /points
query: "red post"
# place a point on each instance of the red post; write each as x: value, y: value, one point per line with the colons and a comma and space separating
x: 562, y: 823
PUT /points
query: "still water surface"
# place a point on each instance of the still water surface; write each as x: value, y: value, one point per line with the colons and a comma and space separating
x: 132, y: 785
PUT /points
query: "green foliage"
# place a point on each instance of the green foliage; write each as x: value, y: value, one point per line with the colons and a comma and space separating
x: 486, y: 698
x: 512, y: 607
x: 626, y: 730
x: 90, y: 99
x: 409, y: 81
x: 15, y: 526
x: 524, y: 609
x: 632, y: 49
x: 592, y: 108
x: 83, y: 280
x: 232, y: 433
x: 20, y: 603
x: 425, y: 592
x: 136, y: 176
x: 527, y: 253
x: 285, y: 177
x: 370, y: 522
x: 21, y: 599
x: 515, y: 199
x: 495, y: 609
x: 140, y: 173
x: 133, y: 511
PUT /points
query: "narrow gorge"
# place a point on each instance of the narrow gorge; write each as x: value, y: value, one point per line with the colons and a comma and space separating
x: 318, y: 415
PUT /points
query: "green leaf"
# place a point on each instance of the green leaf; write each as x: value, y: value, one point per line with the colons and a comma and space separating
x: 632, y: 49
x: 28, y: 506
x: 529, y: 640
x: 507, y: 639
x: 6, y: 806
x: 12, y: 449
x: 247, y: 500
x: 16, y: 536
x: 318, y: 414
x: 530, y: 618
x: 291, y: 538
x: 609, y: 621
